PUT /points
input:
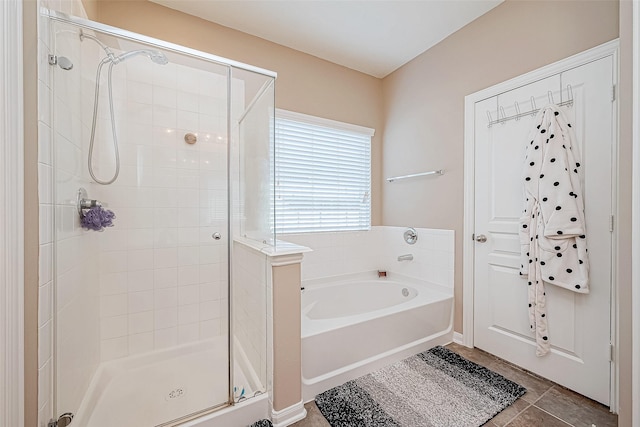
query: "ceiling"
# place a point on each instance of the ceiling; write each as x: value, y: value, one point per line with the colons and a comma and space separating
x: 375, y: 37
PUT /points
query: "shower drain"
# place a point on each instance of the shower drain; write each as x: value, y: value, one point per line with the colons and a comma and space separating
x: 176, y: 393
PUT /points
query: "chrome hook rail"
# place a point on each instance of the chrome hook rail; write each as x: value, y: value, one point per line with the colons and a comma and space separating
x: 502, y: 118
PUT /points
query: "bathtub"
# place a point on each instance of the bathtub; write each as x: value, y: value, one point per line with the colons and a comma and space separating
x: 355, y: 324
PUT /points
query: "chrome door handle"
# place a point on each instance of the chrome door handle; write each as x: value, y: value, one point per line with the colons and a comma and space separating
x: 481, y: 238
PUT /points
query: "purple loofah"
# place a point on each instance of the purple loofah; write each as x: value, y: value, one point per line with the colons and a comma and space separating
x: 97, y: 219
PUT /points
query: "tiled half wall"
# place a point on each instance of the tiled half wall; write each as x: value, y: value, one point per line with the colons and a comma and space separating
x: 340, y: 253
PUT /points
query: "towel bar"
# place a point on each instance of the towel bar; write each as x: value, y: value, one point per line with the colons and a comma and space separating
x: 396, y: 178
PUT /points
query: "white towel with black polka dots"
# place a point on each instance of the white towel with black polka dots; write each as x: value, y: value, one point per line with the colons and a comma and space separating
x: 552, y: 228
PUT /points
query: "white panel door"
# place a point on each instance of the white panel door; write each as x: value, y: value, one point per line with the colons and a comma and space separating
x: 579, y: 324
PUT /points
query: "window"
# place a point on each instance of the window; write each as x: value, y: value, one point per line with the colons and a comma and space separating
x: 322, y: 174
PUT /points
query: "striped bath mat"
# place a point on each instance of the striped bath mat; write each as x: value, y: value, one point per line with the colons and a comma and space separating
x: 437, y: 388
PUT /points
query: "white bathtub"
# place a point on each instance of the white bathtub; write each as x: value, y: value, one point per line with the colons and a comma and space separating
x: 356, y: 324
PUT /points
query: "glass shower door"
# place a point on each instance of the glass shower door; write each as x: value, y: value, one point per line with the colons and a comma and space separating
x: 141, y: 303
x: 252, y: 131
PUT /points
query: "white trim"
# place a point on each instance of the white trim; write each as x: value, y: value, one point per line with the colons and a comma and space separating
x: 11, y: 220
x: 635, y: 250
x: 614, y: 312
x: 284, y: 253
x: 282, y: 260
x: 288, y: 416
x: 319, y: 121
x: 573, y: 61
x: 606, y: 49
x: 458, y: 338
x: 240, y: 414
x: 468, y: 254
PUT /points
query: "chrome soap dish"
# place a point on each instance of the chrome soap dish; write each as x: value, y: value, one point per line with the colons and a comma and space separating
x: 84, y: 203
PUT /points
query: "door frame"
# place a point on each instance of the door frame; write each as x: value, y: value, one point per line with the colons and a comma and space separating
x: 468, y: 251
x: 12, y: 222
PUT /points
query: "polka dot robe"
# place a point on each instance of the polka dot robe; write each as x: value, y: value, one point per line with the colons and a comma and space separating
x: 552, y: 228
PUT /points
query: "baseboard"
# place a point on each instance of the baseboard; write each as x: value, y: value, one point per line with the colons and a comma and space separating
x: 458, y: 338
x: 244, y: 413
x: 288, y: 416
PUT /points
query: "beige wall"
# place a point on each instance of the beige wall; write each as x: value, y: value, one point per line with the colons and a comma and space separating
x: 424, y: 101
x: 305, y: 84
x: 287, y: 341
x: 90, y: 8
x: 424, y: 117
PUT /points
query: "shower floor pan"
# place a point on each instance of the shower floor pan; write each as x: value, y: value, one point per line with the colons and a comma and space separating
x: 154, y: 388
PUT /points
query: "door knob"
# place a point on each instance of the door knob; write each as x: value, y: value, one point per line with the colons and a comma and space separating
x: 481, y: 238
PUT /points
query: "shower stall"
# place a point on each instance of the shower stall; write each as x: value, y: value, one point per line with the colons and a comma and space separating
x: 154, y: 168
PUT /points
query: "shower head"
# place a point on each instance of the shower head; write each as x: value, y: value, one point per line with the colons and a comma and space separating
x: 104, y: 47
x: 155, y: 55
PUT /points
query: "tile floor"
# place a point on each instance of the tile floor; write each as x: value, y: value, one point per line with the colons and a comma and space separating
x: 545, y: 404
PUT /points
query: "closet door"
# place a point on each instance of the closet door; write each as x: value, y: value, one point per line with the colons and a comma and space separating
x: 579, y: 324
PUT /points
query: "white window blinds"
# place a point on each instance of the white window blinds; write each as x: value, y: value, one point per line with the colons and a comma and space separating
x: 322, y: 174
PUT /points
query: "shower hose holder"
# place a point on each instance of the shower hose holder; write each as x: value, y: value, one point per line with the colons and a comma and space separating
x: 85, y: 203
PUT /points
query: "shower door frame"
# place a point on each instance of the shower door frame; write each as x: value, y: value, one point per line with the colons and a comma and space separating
x: 230, y: 65
x: 141, y: 38
x: 635, y: 213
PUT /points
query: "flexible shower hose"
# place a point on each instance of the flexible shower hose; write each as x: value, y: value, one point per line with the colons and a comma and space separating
x: 113, y: 123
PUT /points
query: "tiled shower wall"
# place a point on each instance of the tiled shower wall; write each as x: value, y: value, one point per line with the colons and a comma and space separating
x: 162, y: 275
x: 340, y: 253
x: 251, y: 308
